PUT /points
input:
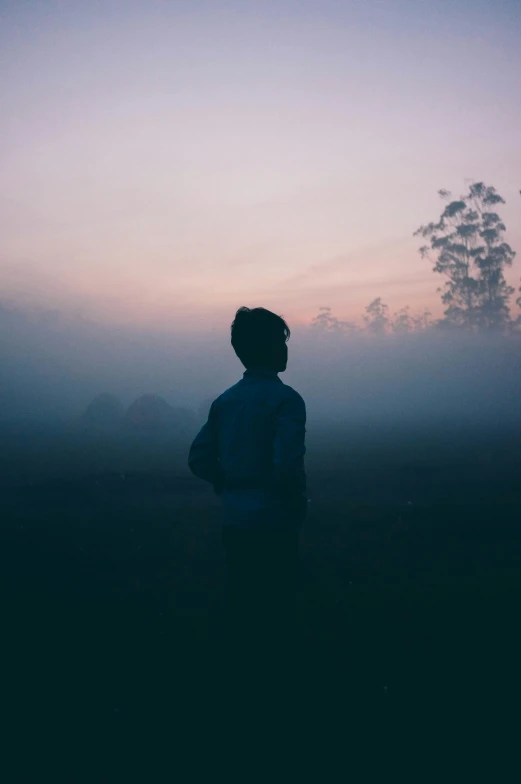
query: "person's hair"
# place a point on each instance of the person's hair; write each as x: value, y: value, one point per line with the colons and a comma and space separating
x: 258, y: 336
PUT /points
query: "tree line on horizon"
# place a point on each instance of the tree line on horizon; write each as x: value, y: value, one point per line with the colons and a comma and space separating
x: 466, y: 246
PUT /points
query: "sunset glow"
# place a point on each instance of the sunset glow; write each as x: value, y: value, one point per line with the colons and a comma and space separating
x: 165, y: 162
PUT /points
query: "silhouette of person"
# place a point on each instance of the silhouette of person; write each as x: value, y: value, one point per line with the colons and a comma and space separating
x: 251, y: 450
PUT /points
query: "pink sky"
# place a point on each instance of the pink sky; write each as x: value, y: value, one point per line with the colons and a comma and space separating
x: 168, y: 162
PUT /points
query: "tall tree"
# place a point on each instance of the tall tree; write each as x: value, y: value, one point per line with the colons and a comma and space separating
x: 467, y: 247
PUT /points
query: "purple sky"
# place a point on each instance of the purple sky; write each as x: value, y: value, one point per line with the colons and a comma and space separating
x: 168, y: 161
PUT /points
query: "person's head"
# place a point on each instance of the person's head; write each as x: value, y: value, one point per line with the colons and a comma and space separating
x: 259, y: 339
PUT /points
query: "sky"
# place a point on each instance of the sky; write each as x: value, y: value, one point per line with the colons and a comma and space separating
x: 164, y: 163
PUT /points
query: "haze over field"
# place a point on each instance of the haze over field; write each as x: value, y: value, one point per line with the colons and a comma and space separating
x: 52, y: 367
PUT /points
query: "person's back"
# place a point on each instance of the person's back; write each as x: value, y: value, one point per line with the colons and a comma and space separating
x: 252, y: 450
x: 257, y: 428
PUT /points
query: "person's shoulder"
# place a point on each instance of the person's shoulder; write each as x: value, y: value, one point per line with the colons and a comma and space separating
x: 290, y: 395
x: 229, y: 393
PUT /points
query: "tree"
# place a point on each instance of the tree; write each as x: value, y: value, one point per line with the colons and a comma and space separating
x: 377, y: 317
x: 402, y: 321
x: 468, y: 248
x: 377, y: 321
x: 422, y: 321
x: 326, y: 322
x: 518, y: 300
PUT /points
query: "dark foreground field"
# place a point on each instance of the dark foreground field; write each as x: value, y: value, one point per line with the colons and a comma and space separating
x: 112, y: 590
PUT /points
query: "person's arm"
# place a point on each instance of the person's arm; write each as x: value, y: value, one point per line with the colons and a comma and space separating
x: 289, y: 448
x: 203, y: 458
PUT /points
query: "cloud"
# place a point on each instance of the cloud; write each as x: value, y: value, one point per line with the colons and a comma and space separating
x: 373, y: 288
x: 251, y: 255
x: 339, y: 263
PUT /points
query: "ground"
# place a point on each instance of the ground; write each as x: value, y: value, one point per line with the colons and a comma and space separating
x: 112, y: 586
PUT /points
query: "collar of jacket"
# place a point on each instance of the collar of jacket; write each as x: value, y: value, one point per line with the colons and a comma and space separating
x: 263, y: 372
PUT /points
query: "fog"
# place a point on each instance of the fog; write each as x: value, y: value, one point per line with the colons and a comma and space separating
x: 53, y: 365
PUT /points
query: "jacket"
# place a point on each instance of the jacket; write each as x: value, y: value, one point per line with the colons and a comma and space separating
x: 251, y: 449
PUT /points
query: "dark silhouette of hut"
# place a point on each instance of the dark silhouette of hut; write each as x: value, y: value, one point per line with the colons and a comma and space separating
x: 105, y: 412
x: 150, y: 412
